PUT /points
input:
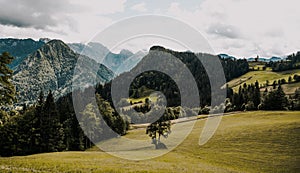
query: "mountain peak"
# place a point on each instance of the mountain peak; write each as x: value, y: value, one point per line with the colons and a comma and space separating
x: 59, y: 46
x: 156, y: 47
x: 45, y: 40
x: 56, y: 42
x: 53, y: 67
x: 126, y: 52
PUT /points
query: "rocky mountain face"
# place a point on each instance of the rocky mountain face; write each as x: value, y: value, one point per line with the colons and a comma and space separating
x: 114, y: 61
x: 51, y: 67
x: 118, y: 63
x: 130, y: 62
x: 19, y: 48
x: 93, y: 50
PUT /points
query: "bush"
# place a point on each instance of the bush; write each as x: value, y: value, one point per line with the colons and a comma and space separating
x: 250, y: 106
x: 218, y: 109
x: 205, y: 110
x: 297, y: 78
x: 189, y: 112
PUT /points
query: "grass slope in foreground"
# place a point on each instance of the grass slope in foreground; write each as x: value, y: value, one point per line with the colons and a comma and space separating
x: 244, y: 142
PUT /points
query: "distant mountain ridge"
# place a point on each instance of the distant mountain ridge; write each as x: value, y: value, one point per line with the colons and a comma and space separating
x: 225, y: 56
x: 274, y: 59
x: 93, y: 50
x: 19, y: 48
x: 51, y: 67
x: 117, y: 62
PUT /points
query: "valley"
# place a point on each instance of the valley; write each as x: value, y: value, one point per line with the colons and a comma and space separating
x: 198, y: 86
x: 263, y: 141
x: 258, y: 132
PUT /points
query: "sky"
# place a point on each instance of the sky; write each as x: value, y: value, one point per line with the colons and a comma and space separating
x: 242, y: 28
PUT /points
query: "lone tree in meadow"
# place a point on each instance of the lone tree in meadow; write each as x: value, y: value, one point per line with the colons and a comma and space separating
x: 7, y: 90
x: 161, y: 127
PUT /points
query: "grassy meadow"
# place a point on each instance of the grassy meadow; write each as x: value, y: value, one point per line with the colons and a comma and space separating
x: 262, y: 76
x: 258, y: 141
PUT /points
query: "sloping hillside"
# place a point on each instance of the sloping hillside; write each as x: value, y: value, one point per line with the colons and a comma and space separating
x: 244, y: 142
x: 263, y: 76
x: 51, y: 68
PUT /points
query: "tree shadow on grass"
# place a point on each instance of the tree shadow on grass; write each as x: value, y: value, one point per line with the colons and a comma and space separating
x: 160, y: 146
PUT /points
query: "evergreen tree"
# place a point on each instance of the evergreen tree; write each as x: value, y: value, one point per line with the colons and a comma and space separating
x: 256, y: 95
x: 290, y: 79
x: 275, y: 100
x: 90, y: 123
x: 296, y: 100
x: 7, y: 90
x: 51, y: 128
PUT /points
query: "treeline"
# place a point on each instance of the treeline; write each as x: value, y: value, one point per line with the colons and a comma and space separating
x: 249, y: 97
x: 234, y: 68
x: 49, y: 127
x: 292, y: 62
x: 291, y: 79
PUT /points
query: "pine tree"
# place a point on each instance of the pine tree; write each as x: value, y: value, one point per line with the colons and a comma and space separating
x: 51, y: 128
x: 256, y: 95
x: 290, y: 79
x: 91, y: 124
x: 275, y: 100
x: 281, y: 98
x: 7, y: 90
x: 296, y: 101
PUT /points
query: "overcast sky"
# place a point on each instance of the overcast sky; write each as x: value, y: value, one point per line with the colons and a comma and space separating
x: 242, y: 28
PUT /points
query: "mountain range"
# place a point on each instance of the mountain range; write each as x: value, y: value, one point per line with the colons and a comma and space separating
x: 251, y: 59
x: 51, y: 67
x: 123, y: 61
x: 19, y: 48
x: 274, y: 59
x: 49, y: 64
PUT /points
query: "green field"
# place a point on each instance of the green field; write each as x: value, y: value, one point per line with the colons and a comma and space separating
x: 142, y: 99
x: 262, y: 76
x: 244, y: 142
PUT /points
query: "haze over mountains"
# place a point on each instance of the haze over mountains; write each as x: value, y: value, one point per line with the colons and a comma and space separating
x: 119, y: 63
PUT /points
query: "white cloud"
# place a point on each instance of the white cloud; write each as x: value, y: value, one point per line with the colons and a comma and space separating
x: 264, y: 27
x: 237, y: 27
x: 71, y: 21
x: 139, y: 7
x: 100, y: 7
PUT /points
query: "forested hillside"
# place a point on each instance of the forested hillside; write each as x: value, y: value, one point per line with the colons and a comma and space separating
x: 51, y: 67
x: 149, y: 81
